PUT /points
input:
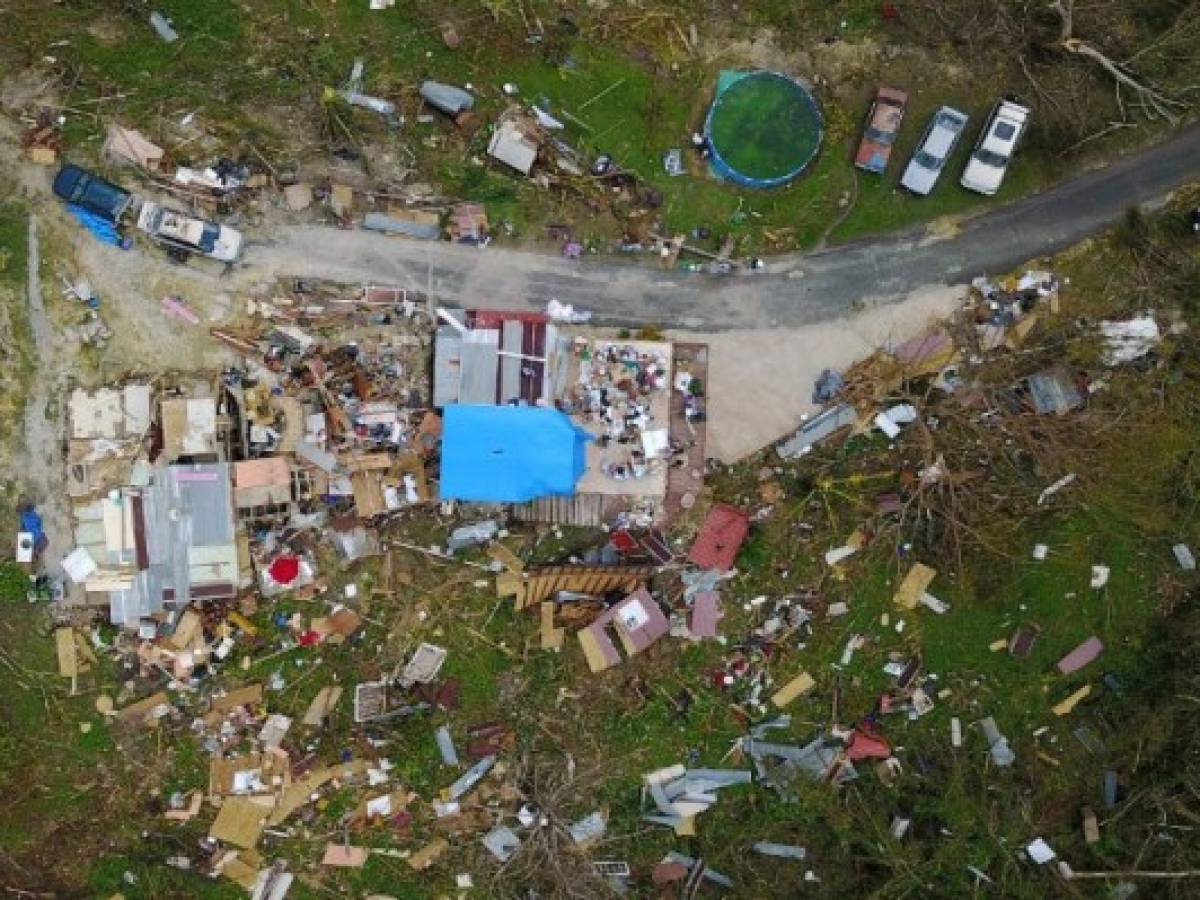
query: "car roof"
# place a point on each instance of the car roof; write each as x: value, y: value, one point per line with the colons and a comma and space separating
x: 885, y: 117
x: 68, y: 175
x: 941, y: 139
x: 1009, y: 110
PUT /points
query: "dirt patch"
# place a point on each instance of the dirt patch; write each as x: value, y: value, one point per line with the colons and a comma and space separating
x: 27, y: 88
x: 777, y: 368
x: 760, y: 50
x: 108, y: 30
x: 844, y: 61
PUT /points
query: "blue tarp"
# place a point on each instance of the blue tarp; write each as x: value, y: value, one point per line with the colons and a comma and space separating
x: 102, y: 228
x: 510, y: 454
x: 32, y: 522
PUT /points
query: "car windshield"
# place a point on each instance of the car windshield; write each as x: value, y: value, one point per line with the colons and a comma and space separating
x: 208, y: 237
x: 987, y: 157
x: 1005, y: 130
x: 927, y: 160
x: 879, y: 137
x: 79, y: 188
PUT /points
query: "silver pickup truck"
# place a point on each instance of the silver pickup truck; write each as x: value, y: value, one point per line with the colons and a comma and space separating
x: 184, y: 235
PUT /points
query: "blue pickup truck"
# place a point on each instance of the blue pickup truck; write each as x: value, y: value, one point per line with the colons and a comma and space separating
x: 80, y: 187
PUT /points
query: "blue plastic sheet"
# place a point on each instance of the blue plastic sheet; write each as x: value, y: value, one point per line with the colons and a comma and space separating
x: 102, y: 228
x: 32, y: 522
x: 510, y: 454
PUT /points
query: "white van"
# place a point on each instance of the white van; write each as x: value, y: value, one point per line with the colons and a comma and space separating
x: 989, y: 161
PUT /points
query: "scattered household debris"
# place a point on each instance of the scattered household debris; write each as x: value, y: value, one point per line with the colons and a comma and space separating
x: 1185, y: 557
x: 1080, y: 656
x: 1127, y: 342
x: 997, y: 744
x: 163, y: 27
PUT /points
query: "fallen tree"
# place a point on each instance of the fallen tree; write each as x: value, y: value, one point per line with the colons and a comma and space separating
x: 1155, y: 103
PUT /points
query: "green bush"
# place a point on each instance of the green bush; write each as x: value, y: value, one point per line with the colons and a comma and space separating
x: 14, y: 583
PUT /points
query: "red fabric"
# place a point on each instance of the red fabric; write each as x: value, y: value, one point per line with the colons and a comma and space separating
x: 868, y: 746
x: 624, y: 541
x: 284, y: 570
x: 309, y: 638
x: 721, y: 538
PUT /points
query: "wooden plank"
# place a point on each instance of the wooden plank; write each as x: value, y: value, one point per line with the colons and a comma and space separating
x: 322, y: 706
x: 84, y: 653
x: 241, y: 873
x: 249, y: 695
x: 241, y: 821
x: 139, y: 713
x: 915, y: 583
x: 596, y: 660
x: 299, y: 792
x: 1063, y: 708
x: 428, y: 855
x: 552, y: 638
x: 189, y: 627
x: 64, y: 644
x: 797, y: 687
x: 506, y: 557
x: 509, y: 584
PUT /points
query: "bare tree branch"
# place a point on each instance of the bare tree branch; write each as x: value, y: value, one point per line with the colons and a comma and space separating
x: 1152, y: 100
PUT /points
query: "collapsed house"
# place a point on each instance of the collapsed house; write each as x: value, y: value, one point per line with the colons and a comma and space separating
x: 178, y: 488
x: 150, y: 534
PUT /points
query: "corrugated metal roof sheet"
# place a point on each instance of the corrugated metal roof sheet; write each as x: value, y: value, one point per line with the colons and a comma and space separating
x: 479, y: 371
x: 719, y: 541
x: 817, y: 429
x: 447, y: 366
x: 392, y: 225
x: 511, y: 337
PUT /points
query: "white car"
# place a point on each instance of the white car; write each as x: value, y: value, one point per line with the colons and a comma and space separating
x: 183, y: 234
x: 945, y: 128
x: 985, y: 170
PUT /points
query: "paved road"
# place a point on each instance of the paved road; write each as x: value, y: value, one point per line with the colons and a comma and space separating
x: 798, y: 290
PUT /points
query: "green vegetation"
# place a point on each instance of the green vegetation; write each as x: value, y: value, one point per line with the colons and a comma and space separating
x: 14, y: 224
x: 14, y: 583
x: 16, y: 338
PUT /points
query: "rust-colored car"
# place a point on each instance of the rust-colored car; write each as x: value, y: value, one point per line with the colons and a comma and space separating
x: 883, y: 124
